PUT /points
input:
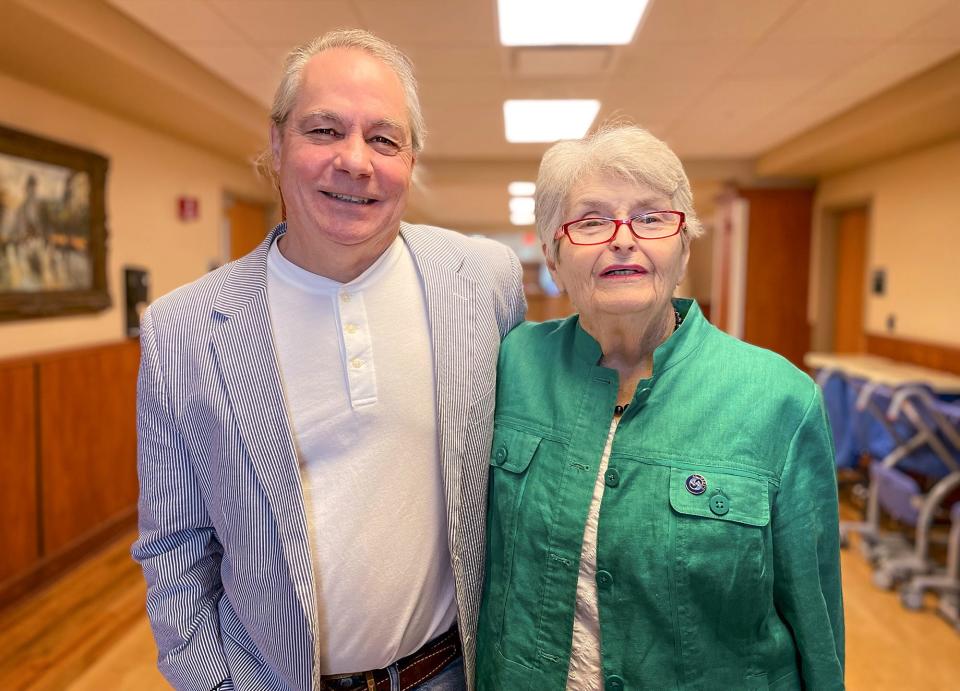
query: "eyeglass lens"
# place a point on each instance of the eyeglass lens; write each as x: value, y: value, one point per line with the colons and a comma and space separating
x: 651, y: 226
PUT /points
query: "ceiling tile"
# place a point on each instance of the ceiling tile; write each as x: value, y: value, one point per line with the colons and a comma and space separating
x: 179, y: 20
x: 236, y: 63
x: 659, y: 62
x: 706, y: 136
x: 773, y: 58
x: 286, y: 21
x: 941, y: 25
x: 428, y: 22
x: 739, y: 115
x: 854, y: 19
x: 750, y: 100
x: 879, y: 72
x: 464, y: 63
x: 560, y: 62
x: 694, y: 20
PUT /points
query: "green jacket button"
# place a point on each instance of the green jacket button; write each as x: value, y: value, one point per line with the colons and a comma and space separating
x: 613, y: 477
x: 719, y: 504
x: 614, y: 683
x: 501, y: 454
x: 604, y: 579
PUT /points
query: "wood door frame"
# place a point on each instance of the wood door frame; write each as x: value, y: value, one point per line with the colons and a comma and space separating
x: 271, y: 209
x: 826, y: 249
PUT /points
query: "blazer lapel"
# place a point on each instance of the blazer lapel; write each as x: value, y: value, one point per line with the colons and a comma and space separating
x: 245, y: 354
x: 451, y: 307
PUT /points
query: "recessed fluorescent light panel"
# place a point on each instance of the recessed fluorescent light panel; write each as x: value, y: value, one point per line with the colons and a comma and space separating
x: 569, y: 22
x: 521, y: 205
x: 521, y: 219
x: 548, y: 121
x: 521, y: 188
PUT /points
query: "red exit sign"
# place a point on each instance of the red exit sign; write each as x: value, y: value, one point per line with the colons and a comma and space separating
x: 188, y: 208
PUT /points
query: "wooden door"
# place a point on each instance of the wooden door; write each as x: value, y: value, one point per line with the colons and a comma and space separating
x: 850, y: 282
x: 778, y: 269
x: 248, y: 226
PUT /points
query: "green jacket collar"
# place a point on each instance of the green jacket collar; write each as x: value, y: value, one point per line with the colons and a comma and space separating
x: 682, y: 343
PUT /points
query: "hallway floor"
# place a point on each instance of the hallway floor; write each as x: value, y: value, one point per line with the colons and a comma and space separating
x: 88, y: 632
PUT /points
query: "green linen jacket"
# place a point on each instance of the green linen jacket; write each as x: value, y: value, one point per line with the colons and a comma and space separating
x: 733, y: 587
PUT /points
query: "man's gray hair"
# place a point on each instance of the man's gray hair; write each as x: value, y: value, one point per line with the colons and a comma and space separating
x: 389, y: 54
x: 620, y: 150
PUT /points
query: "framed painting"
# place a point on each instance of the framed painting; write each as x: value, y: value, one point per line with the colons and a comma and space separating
x: 53, y: 234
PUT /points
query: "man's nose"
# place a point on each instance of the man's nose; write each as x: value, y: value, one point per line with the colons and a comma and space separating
x: 623, y: 239
x: 353, y: 156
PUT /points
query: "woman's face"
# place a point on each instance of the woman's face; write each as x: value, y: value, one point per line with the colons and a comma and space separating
x: 625, y: 276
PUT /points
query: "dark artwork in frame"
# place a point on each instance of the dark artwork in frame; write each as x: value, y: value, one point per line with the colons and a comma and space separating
x: 53, y: 234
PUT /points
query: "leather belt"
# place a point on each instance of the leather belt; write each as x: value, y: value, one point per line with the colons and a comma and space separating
x: 413, y: 670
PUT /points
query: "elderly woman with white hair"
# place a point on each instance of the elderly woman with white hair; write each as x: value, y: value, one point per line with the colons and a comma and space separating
x: 663, y: 503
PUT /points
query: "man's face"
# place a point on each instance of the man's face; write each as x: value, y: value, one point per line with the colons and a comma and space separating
x: 344, y: 156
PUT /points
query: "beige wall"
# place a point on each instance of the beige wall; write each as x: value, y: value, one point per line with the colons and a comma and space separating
x: 147, y: 173
x: 914, y: 203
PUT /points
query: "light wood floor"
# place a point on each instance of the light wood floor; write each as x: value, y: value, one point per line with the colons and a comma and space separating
x: 88, y: 633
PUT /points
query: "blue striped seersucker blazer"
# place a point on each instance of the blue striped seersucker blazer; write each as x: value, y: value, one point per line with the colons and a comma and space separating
x: 223, y: 534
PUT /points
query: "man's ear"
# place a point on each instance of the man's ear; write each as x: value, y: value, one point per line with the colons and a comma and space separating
x: 276, y: 144
x: 552, y: 268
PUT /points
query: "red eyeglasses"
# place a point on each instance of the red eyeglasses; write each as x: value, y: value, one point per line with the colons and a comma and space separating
x: 597, y: 230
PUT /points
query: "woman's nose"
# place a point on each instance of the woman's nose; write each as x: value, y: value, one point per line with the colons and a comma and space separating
x: 623, y: 239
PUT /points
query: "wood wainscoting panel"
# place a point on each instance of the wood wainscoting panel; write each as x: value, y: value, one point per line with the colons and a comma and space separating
x: 932, y: 355
x: 19, y: 538
x: 542, y: 308
x: 778, y: 268
x: 88, y: 442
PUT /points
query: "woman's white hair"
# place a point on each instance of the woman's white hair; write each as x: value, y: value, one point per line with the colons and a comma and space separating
x: 297, y: 59
x: 621, y: 150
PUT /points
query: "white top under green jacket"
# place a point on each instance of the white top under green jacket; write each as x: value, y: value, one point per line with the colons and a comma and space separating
x: 717, y: 548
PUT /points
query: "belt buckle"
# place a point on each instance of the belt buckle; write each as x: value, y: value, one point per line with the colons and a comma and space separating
x: 335, y: 681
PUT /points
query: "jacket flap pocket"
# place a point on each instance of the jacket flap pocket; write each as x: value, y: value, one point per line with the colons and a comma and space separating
x: 720, y: 495
x: 512, y: 449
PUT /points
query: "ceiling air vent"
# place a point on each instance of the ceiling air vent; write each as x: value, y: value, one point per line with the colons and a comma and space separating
x: 557, y: 62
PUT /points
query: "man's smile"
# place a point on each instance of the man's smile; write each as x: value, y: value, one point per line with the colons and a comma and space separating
x: 349, y: 198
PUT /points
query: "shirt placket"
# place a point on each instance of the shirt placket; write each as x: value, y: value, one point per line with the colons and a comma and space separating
x: 357, y: 348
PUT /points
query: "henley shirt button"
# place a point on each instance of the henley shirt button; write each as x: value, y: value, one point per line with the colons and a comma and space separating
x: 696, y: 484
x: 613, y: 477
x: 614, y: 683
x: 344, y: 297
x: 604, y: 579
x: 350, y: 328
x: 356, y: 363
x: 719, y: 504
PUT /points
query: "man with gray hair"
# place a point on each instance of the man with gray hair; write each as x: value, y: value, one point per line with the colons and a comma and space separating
x: 314, y: 419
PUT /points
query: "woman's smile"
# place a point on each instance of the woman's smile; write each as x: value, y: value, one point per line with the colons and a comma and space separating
x: 623, y: 271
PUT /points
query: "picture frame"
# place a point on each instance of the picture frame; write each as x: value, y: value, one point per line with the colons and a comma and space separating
x: 53, y: 230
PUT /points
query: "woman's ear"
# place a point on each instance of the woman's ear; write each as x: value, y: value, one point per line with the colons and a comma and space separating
x: 685, y: 257
x: 552, y: 268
